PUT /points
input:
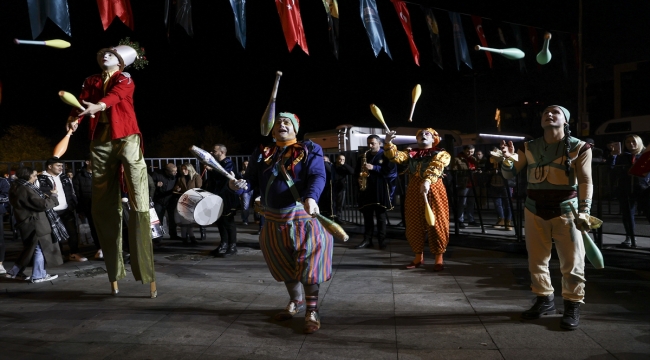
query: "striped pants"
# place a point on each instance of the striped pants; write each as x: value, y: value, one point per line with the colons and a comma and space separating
x: 417, y: 228
x: 295, y: 246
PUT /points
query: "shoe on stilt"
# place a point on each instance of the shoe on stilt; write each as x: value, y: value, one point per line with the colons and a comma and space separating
x: 543, y: 306
x: 366, y: 243
x: 292, y: 309
x: 312, y: 322
x: 571, y: 317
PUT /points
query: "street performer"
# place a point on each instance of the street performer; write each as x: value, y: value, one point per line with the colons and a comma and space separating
x: 118, y: 163
x: 297, y: 249
x: 558, y: 168
x: 426, y: 165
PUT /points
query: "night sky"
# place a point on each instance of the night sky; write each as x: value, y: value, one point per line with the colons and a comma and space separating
x: 211, y: 80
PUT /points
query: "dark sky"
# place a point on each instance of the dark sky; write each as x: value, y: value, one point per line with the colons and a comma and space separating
x: 211, y: 79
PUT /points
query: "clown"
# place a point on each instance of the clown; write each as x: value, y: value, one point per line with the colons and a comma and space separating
x: 117, y: 161
x: 425, y: 167
x: 558, y: 168
x: 297, y: 250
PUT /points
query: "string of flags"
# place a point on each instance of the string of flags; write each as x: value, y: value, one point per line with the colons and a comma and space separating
x: 180, y: 12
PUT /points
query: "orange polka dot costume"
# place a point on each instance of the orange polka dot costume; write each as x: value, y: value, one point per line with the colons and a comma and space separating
x: 424, y: 165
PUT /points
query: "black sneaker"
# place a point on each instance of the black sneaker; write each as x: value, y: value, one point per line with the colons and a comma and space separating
x: 543, y: 306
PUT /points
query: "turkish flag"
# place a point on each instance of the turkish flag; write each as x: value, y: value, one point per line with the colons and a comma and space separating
x: 294, y: 33
x: 478, y: 25
x: 109, y: 9
x: 405, y: 19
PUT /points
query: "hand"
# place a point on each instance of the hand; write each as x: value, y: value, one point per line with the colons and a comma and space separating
x: 582, y: 222
x: 424, y: 188
x: 72, y: 124
x: 235, y: 185
x: 390, y: 136
x: 369, y: 166
x: 91, y: 108
x: 507, y: 149
x: 159, y: 184
x: 311, y: 207
x: 177, y: 189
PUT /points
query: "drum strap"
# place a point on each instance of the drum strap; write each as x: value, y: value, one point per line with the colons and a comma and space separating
x: 287, y: 178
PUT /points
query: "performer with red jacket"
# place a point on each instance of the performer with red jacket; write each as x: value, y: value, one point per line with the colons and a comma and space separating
x: 118, y: 162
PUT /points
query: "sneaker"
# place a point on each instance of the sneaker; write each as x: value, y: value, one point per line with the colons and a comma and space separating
x: 499, y: 224
x: 77, y: 257
x: 2, y: 270
x: 47, y: 277
x: 509, y: 225
x: 99, y: 254
x: 20, y: 276
x: 245, y: 223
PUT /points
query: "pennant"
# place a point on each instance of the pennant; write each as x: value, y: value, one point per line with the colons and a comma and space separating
x: 434, y: 34
x: 239, y: 8
x: 332, y: 9
x: 183, y: 15
x: 56, y: 10
x: 520, y: 44
x: 372, y: 23
x: 478, y: 25
x: 294, y: 33
x: 460, y: 45
x: 405, y: 19
x: 109, y: 9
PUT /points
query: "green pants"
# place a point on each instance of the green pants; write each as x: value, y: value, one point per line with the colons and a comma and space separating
x: 107, y: 157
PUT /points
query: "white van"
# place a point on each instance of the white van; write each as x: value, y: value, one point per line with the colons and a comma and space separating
x: 624, y: 126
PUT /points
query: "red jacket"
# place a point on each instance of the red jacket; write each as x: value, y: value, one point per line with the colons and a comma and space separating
x: 118, y: 100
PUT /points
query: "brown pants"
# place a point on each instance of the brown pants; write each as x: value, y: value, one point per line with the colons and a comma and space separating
x: 416, y: 225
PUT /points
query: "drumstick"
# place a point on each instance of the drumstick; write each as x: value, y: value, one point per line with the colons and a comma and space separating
x: 415, y: 95
x: 209, y: 160
x: 428, y: 213
x: 544, y: 56
x: 71, y: 100
x: 56, y: 43
x: 62, y: 146
x: 377, y: 113
x: 510, y: 53
x: 268, y: 118
x: 333, y: 228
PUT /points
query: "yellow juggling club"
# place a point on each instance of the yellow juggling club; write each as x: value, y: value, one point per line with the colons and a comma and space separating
x: 544, y: 56
x: 428, y: 213
x: 56, y: 43
x: 417, y: 91
x: 510, y: 53
x: 377, y: 113
x: 71, y: 100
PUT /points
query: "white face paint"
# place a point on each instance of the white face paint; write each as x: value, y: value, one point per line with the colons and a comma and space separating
x: 425, y: 140
x: 111, y: 63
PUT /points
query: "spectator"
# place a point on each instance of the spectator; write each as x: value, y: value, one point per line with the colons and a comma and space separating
x: 245, y: 197
x: 325, y: 203
x: 69, y: 174
x: 339, y: 183
x: 481, y: 178
x: 189, y: 179
x: 4, y: 202
x: 631, y: 190
x: 54, y: 179
x: 164, y: 199
x: 465, y: 165
x: 39, y: 225
x: 499, y: 187
x: 597, y: 155
x: 83, y: 188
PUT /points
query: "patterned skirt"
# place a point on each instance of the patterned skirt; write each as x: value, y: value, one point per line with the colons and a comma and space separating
x: 295, y: 246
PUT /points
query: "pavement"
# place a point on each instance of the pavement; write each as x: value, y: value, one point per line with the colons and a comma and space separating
x: 372, y: 308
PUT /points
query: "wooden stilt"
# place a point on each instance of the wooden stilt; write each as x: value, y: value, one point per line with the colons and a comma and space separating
x: 154, y: 292
x: 114, y: 289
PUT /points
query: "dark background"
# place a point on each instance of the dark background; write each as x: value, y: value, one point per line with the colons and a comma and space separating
x: 211, y: 80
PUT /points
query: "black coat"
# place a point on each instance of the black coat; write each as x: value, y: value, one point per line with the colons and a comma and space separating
x: 83, y: 188
x: 45, y: 184
x: 164, y: 193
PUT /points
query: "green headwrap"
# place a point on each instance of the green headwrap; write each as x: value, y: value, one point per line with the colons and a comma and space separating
x: 294, y: 119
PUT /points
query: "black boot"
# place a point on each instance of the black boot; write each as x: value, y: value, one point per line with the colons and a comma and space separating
x: 203, y: 234
x: 626, y: 244
x: 223, y: 246
x: 193, y: 241
x: 186, y: 240
x: 232, y: 250
x: 632, y: 242
x: 382, y: 243
x: 543, y: 306
x: 367, y: 242
x: 571, y: 317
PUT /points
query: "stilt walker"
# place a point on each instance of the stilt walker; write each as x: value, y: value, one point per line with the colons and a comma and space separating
x: 118, y: 163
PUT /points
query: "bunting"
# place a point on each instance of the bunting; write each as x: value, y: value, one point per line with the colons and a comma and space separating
x: 56, y: 10
x: 434, y: 34
x: 239, y: 9
x: 294, y: 33
x: 109, y: 9
x: 520, y: 44
x: 405, y: 19
x: 183, y: 15
x: 460, y: 45
x: 332, y: 9
x: 371, y: 21
x: 478, y: 25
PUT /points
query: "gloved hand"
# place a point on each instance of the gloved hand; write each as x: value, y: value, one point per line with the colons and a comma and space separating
x: 424, y: 188
x: 583, y: 222
x: 311, y: 207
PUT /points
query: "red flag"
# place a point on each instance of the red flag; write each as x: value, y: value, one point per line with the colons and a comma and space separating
x: 405, y: 18
x: 478, y: 25
x: 109, y: 9
x: 294, y: 33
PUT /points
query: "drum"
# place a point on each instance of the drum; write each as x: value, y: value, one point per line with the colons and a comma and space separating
x: 156, y: 227
x: 200, y: 207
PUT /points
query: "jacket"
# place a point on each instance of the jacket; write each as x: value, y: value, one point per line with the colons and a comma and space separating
x: 45, y: 184
x: 83, y: 188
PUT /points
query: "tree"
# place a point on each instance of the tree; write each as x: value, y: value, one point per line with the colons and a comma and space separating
x: 176, y: 142
x: 24, y: 143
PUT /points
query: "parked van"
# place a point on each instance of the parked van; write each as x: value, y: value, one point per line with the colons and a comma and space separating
x: 623, y: 126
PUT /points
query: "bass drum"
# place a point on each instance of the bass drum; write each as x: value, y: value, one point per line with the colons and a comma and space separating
x: 200, y: 207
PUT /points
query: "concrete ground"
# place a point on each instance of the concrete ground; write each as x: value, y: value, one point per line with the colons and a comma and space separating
x: 372, y: 308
